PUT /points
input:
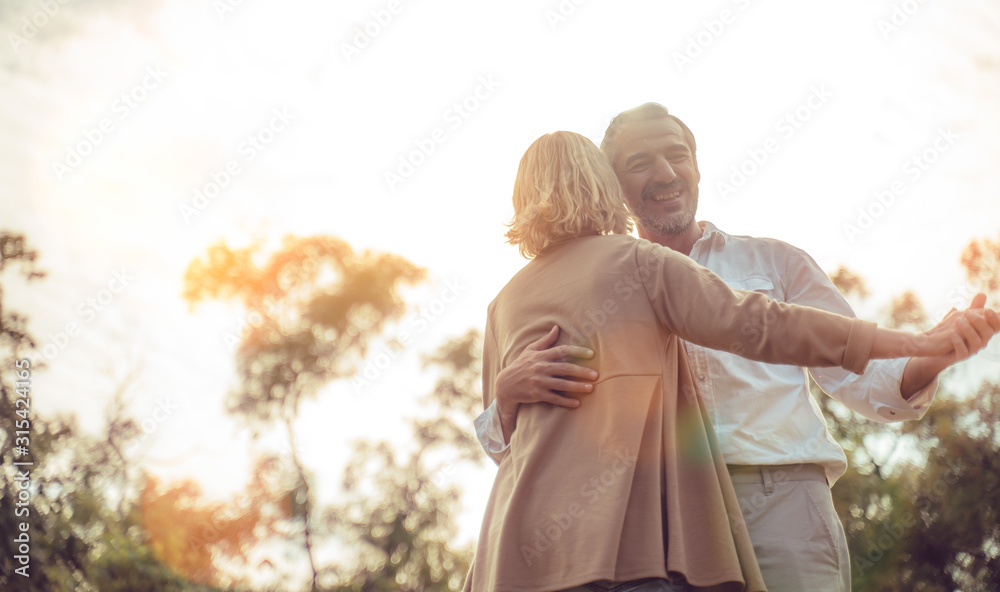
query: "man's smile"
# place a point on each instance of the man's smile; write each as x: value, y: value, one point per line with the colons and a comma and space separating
x: 664, y: 193
x: 665, y: 196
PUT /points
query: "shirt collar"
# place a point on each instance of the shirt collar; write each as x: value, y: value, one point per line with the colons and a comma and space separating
x: 708, y: 229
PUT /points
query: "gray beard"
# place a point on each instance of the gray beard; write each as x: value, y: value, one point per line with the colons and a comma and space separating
x: 666, y: 226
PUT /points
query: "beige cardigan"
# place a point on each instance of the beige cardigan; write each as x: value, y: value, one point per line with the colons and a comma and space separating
x: 631, y: 484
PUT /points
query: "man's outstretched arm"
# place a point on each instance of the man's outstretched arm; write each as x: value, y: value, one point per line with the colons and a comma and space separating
x: 889, y: 390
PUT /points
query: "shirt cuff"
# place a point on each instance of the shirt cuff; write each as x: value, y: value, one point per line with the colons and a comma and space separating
x: 490, y: 433
x: 906, y: 409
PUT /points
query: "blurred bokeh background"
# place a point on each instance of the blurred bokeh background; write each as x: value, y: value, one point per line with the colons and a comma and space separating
x: 247, y: 249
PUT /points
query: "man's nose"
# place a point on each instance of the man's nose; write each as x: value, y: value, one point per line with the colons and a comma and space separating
x: 663, y: 172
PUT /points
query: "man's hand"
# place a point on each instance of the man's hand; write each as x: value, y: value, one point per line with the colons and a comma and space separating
x: 542, y: 374
x: 967, y: 331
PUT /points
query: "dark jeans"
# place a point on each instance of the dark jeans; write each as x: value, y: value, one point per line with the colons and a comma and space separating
x: 646, y: 585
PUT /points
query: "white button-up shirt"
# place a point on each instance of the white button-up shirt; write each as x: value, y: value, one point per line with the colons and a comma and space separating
x: 763, y: 413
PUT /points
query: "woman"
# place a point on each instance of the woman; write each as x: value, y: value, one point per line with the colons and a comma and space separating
x: 629, y: 487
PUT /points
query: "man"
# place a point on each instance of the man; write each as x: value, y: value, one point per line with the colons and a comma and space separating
x: 772, y: 434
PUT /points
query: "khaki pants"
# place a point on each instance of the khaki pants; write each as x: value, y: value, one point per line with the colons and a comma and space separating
x: 796, y: 533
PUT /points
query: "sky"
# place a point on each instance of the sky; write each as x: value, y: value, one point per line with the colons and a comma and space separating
x: 134, y: 135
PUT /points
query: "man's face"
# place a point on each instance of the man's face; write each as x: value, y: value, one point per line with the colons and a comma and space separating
x: 659, y: 175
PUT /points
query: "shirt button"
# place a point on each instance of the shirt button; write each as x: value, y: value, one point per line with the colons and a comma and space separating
x: 701, y: 378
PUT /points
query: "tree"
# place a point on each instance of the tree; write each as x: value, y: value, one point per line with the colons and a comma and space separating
x: 929, y: 519
x: 317, y: 304
x: 74, y: 538
x: 85, y: 525
x: 399, y: 512
x: 192, y: 537
x: 981, y: 260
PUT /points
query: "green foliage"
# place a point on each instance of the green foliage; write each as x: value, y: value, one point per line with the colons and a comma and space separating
x: 315, y: 304
x: 94, y: 524
x: 399, y: 509
x: 85, y: 530
x: 931, y: 524
x: 906, y: 312
x: 981, y: 260
x: 928, y: 522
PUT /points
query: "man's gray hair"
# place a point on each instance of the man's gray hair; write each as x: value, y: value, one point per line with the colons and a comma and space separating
x: 644, y: 112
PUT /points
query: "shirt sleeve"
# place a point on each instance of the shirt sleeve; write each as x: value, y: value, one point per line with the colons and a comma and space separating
x: 699, y: 307
x: 874, y: 394
x: 490, y: 433
x: 488, y: 427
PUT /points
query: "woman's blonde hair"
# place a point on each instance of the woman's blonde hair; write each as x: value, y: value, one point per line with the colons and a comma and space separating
x: 565, y: 188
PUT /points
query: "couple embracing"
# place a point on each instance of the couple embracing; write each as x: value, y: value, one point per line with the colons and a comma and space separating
x: 647, y: 399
